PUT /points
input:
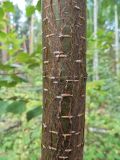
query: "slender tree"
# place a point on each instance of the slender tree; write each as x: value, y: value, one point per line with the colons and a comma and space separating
x: 116, y: 40
x: 5, y: 30
x: 64, y: 73
x: 16, y: 20
x: 95, y: 58
x: 3, y: 51
x: 31, y: 34
x: 30, y: 29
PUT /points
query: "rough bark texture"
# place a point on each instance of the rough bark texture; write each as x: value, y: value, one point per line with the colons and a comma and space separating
x: 64, y: 74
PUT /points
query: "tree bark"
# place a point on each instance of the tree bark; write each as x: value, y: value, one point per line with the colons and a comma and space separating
x: 64, y: 74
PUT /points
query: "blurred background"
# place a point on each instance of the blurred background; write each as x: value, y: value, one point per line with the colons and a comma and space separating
x: 21, y: 80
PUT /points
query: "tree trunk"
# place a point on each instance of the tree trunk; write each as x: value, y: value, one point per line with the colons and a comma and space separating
x: 64, y: 74
x: 4, y: 53
x: 31, y: 34
x: 5, y: 30
x: 116, y: 41
x: 95, y: 58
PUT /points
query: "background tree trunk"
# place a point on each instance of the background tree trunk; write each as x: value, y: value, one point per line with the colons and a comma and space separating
x: 3, y: 51
x: 116, y: 40
x: 64, y: 69
x: 95, y: 58
x: 5, y: 30
x: 31, y: 39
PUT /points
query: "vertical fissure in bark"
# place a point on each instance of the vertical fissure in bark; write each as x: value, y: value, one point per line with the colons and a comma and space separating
x: 64, y: 79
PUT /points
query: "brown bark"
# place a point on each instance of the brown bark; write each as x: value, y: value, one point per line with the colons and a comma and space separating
x: 64, y: 74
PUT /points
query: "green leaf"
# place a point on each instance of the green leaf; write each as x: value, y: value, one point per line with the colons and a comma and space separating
x: 33, y: 65
x: 38, y: 6
x: 3, y: 106
x: 17, y: 107
x: 22, y: 57
x: 34, y: 113
x: 8, y: 6
x: 5, y: 83
x: 6, y: 67
x: 3, y: 35
x: 30, y: 10
x: 19, y: 79
x: 1, y: 13
x: 3, y: 158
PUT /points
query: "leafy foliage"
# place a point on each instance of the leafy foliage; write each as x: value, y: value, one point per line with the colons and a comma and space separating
x: 30, y: 10
x: 1, y: 13
x: 38, y: 6
x: 8, y: 6
x: 34, y: 113
x: 17, y: 107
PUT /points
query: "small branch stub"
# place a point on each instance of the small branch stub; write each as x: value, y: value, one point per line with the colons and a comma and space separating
x: 63, y: 157
x: 77, y: 7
